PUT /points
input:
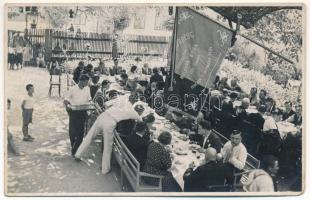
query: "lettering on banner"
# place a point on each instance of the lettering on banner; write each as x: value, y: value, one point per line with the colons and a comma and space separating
x: 223, y: 37
x: 184, y: 16
x: 184, y: 38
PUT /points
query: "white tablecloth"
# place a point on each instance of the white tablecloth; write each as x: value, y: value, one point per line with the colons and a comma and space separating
x: 180, y: 162
x: 285, y: 128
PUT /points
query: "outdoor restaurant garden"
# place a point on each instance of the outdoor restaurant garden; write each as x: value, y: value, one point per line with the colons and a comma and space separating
x: 105, y: 99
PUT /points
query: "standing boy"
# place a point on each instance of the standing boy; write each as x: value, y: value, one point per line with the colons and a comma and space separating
x: 27, y: 110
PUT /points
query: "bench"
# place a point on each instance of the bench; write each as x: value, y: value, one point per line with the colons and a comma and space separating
x: 130, y: 168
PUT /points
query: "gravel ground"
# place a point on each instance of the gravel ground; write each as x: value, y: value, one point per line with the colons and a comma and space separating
x: 46, y: 165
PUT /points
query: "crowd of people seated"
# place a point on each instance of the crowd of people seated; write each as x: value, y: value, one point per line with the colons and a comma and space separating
x: 248, y: 132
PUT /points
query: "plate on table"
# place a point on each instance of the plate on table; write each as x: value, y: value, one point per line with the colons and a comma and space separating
x: 286, y: 124
x: 180, y: 151
x: 195, y: 147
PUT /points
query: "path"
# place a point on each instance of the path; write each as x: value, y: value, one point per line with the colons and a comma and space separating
x: 47, y: 166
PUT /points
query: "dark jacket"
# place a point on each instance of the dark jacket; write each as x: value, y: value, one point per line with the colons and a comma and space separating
x: 138, y: 147
x: 256, y: 119
x: 200, y: 179
x: 212, y: 141
x: 286, y: 115
x: 156, y: 78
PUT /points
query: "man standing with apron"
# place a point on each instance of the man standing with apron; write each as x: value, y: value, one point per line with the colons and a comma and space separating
x: 78, y: 95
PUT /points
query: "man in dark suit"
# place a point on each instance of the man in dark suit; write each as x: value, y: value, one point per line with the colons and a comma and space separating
x: 156, y: 77
x: 138, y: 142
x: 209, y: 177
x: 288, y: 111
x: 205, y: 137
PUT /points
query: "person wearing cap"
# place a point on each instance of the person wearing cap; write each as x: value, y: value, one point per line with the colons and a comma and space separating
x: 159, y: 162
x: 118, y: 109
x: 234, y: 153
x: 77, y: 95
x: 210, y: 173
x: 138, y: 142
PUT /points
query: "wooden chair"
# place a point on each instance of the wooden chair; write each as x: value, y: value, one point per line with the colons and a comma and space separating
x: 130, y: 168
x: 55, y: 81
x: 240, y: 178
x: 251, y: 164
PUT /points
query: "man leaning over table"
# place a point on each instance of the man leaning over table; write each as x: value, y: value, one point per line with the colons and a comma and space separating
x: 234, y: 153
x: 118, y: 108
x: 77, y: 95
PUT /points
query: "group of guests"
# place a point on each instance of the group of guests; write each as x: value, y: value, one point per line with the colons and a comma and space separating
x: 155, y: 156
x: 257, y: 117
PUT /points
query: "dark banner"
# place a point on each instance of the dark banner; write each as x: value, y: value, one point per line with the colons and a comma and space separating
x: 198, y: 48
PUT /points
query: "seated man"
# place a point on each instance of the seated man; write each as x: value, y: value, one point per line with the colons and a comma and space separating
x: 138, y: 142
x: 241, y: 111
x: 101, y: 95
x: 94, y: 86
x: 40, y: 60
x: 234, y: 86
x: 118, y: 109
x: 207, y: 175
x: 206, y: 138
x: 296, y: 118
x: 234, y: 153
x: 271, y: 140
x: 288, y: 111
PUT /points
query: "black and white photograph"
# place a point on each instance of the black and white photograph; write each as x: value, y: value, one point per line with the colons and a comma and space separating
x: 154, y: 99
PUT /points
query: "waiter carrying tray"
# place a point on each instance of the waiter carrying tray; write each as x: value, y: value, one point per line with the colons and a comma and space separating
x: 77, y: 97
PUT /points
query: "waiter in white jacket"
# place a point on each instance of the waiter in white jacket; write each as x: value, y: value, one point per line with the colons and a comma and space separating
x: 118, y: 108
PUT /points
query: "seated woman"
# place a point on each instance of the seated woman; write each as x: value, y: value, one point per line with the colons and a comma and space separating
x: 126, y: 83
x: 138, y: 142
x: 159, y: 161
x: 253, y: 97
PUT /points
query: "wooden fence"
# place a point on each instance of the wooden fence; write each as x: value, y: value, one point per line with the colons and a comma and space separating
x: 65, y: 45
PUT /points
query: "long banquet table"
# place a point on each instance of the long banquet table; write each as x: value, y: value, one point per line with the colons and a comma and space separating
x: 182, y: 152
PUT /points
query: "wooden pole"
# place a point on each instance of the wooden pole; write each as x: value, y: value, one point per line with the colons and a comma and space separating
x: 174, y: 42
x: 268, y: 49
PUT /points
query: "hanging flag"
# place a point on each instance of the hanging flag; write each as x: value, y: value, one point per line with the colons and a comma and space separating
x: 198, y: 48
